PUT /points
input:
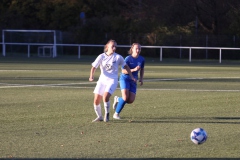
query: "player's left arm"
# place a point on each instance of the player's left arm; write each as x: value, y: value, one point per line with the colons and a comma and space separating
x: 142, y: 72
x: 141, y: 76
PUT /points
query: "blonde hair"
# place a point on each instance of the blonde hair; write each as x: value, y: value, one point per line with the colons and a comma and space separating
x: 130, y: 50
x: 106, y: 45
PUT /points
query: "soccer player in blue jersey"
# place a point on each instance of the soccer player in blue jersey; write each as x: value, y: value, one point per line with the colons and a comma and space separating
x: 108, y: 80
x: 128, y: 87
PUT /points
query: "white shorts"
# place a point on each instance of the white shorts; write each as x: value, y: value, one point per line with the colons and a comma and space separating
x: 106, y: 86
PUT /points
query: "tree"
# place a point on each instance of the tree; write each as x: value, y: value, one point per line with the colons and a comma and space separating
x: 234, y: 19
x: 210, y: 15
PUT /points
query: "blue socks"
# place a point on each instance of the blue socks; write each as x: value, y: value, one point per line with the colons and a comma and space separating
x: 120, y: 105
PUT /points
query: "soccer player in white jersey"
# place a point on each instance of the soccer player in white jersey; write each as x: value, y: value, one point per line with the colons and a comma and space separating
x: 109, y: 61
x: 136, y: 63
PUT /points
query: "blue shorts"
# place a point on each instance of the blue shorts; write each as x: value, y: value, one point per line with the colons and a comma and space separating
x: 128, y: 84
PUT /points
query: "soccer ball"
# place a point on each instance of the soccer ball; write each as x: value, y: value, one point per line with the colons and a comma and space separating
x: 198, y: 136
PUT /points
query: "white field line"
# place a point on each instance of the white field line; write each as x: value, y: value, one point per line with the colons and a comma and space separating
x: 66, y: 85
x: 6, y: 85
x: 31, y: 70
x: 24, y: 70
x: 24, y: 86
x: 52, y: 84
x: 177, y: 79
x: 150, y: 89
x: 190, y: 90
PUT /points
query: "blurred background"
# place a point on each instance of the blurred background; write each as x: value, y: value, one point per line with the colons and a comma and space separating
x: 201, y: 23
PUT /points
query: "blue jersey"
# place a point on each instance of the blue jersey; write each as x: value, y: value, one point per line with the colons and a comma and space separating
x: 132, y: 63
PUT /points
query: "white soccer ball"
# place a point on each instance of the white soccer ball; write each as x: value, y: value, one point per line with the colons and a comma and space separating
x: 198, y: 136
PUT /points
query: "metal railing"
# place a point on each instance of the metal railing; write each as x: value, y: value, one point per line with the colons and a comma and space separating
x: 190, y: 48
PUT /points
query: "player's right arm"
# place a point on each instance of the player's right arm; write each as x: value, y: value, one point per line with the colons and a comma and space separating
x: 124, y: 71
x: 137, y: 68
x: 126, y: 67
x: 92, y: 71
x: 95, y: 65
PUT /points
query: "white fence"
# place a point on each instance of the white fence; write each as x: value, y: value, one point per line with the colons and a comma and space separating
x: 54, y: 46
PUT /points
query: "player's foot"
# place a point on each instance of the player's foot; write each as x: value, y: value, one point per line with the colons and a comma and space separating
x: 116, y: 116
x: 115, y: 103
x: 98, y: 119
x: 106, y: 117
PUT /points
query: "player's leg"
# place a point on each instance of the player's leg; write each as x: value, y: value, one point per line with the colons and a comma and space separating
x: 106, y: 102
x: 121, y: 101
x: 109, y: 90
x: 97, y: 107
x: 131, y: 97
x: 132, y: 92
x: 98, y: 94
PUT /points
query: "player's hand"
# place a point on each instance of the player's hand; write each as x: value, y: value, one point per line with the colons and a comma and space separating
x: 137, y: 68
x: 134, y: 80
x: 91, y: 79
x: 141, y: 82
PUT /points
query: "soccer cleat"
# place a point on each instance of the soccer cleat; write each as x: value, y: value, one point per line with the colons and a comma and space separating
x: 115, y: 103
x: 106, y: 117
x: 116, y: 116
x: 98, y: 119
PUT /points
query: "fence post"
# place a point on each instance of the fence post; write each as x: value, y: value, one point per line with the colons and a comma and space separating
x: 54, y: 45
x: 206, y: 46
x: 28, y: 50
x: 220, y: 55
x: 79, y: 51
x: 3, y: 44
x: 160, y: 54
x: 190, y: 54
x: 180, y: 54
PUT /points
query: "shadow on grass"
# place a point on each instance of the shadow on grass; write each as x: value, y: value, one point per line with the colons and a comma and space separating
x: 220, y: 120
x: 121, y: 159
x: 228, y: 118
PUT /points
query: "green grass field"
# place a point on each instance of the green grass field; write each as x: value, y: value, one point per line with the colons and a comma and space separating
x: 46, y: 109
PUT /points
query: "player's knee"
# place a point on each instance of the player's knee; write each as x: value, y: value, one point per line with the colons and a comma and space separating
x: 130, y: 100
x: 125, y: 99
x: 96, y: 101
x: 106, y: 98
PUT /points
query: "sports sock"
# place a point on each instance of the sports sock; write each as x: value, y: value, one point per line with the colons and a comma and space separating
x: 107, y: 106
x: 120, y: 105
x: 98, y: 110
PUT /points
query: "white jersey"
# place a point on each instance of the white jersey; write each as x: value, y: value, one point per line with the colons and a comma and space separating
x: 109, y: 66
